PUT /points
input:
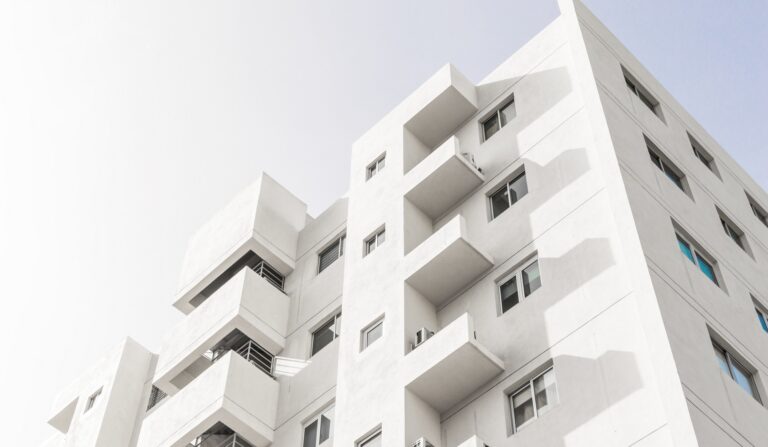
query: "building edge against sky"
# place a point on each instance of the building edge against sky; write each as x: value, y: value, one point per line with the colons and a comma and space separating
x: 559, y: 255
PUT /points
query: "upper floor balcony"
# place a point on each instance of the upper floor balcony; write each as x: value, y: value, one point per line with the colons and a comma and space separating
x: 249, y: 303
x: 265, y: 220
x: 445, y: 263
x: 451, y: 356
x: 232, y: 392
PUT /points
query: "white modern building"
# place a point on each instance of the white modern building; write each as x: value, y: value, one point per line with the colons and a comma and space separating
x: 556, y: 256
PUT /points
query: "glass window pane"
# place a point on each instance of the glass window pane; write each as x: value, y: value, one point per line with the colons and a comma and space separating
x: 743, y: 378
x: 721, y: 360
x: 310, y: 435
x: 499, y: 201
x: 518, y: 188
x: 381, y: 163
x: 707, y: 268
x: 685, y: 248
x: 491, y: 126
x: 374, y: 333
x: 381, y: 237
x: 507, y: 113
x: 545, y: 390
x: 328, y: 256
x: 325, y: 428
x: 522, y: 407
x: 655, y: 159
x: 672, y: 175
x: 370, y: 245
x: 531, y: 278
x: 647, y: 101
x: 509, y: 294
x: 761, y: 318
x: 323, y: 336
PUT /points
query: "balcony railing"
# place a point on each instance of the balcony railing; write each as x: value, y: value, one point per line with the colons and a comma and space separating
x: 269, y: 273
x: 233, y: 440
x: 251, y: 351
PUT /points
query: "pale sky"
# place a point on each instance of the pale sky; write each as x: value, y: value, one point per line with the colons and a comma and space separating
x: 125, y: 125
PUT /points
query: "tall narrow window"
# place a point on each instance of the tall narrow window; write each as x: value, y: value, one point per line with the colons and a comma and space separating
x: 758, y: 210
x: 694, y: 254
x: 331, y: 254
x: 498, y: 119
x: 318, y: 429
x: 519, y: 285
x: 737, y: 371
x: 642, y: 93
x: 325, y: 334
x: 372, y: 333
x: 508, y: 195
x: 533, y: 399
x: 92, y: 399
x: 375, y: 167
x: 374, y: 241
x: 665, y: 165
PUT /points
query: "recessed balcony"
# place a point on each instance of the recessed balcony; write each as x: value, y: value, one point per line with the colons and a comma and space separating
x: 248, y: 302
x: 445, y: 263
x: 443, y: 178
x: 233, y: 392
x: 450, y: 366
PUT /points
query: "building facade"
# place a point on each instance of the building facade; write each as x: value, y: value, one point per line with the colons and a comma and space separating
x: 556, y: 256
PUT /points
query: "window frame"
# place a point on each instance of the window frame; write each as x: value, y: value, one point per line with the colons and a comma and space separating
x: 746, y: 370
x: 374, y: 240
x: 497, y: 116
x: 368, y: 438
x: 375, y: 166
x: 318, y: 419
x: 703, y: 155
x: 93, y: 399
x: 757, y: 210
x: 642, y: 93
x: 339, y: 243
x: 762, y: 313
x: 733, y: 231
x: 667, y: 166
x: 365, y: 343
x: 517, y: 274
x: 335, y: 319
x: 518, y: 174
x: 698, y: 255
x: 529, y: 385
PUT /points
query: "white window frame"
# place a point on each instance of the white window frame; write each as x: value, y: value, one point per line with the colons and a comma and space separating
x: 731, y: 361
x: 521, y: 172
x: 328, y: 413
x: 667, y: 166
x: 529, y: 385
x: 760, y: 213
x: 339, y: 242
x: 517, y: 273
x: 734, y: 233
x: 92, y: 399
x: 375, y: 167
x: 496, y: 115
x: 374, y: 241
x: 364, y: 343
x: 336, y: 319
x: 698, y: 256
x: 643, y: 94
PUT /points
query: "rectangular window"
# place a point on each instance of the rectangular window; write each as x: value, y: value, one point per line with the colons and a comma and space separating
x: 375, y: 167
x: 732, y: 231
x: 318, y: 429
x: 498, y: 119
x: 736, y: 371
x: 519, y: 285
x: 642, y: 93
x: 758, y: 210
x: 372, y: 333
x: 533, y: 399
x: 508, y: 195
x: 373, y: 440
x: 331, y: 254
x: 374, y: 241
x: 694, y: 254
x: 704, y: 157
x: 665, y: 165
x: 325, y: 334
x: 92, y: 400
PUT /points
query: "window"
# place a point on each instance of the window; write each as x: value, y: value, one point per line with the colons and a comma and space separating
x: 374, y: 241
x: 92, y: 400
x: 664, y: 165
x: 693, y: 254
x: 736, y: 371
x: 325, y: 334
x: 703, y: 156
x: 155, y: 396
x: 375, y: 167
x: 498, y: 119
x: 372, y: 333
x: 519, y: 285
x: 506, y: 196
x: 331, y: 254
x: 642, y: 93
x: 533, y: 399
x: 762, y: 315
x: 758, y: 210
x: 732, y: 231
x: 373, y: 440
x: 318, y: 429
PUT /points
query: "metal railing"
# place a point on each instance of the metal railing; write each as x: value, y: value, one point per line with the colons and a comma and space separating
x: 251, y: 351
x: 269, y: 273
x: 233, y: 440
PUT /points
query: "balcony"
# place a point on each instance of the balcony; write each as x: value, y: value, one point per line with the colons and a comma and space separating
x: 264, y: 219
x: 450, y: 366
x: 443, y: 178
x: 232, y: 392
x: 445, y: 263
x: 248, y: 303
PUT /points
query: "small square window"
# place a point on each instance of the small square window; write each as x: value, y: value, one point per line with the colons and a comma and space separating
x: 374, y: 241
x: 519, y: 285
x: 508, y: 195
x: 672, y: 172
x: 702, y: 155
x: 372, y: 333
x: 331, y: 253
x: 694, y: 253
x: 642, y: 93
x: 733, y: 232
x: 740, y: 374
x: 325, y: 334
x: 92, y: 400
x: 758, y: 210
x: 375, y: 167
x: 498, y: 119
x: 533, y: 399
